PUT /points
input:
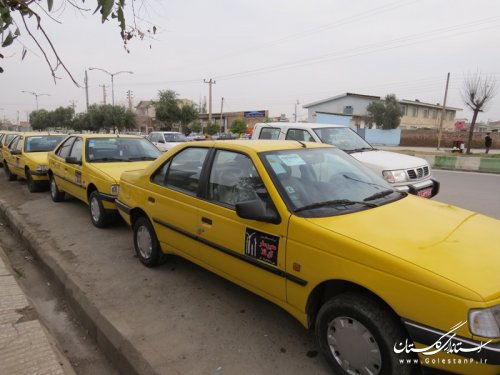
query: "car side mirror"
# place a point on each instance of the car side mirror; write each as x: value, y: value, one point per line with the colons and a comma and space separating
x: 73, y: 160
x: 15, y: 152
x: 257, y: 210
x: 161, y: 140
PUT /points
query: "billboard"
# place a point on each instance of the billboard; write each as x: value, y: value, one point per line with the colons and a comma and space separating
x: 250, y: 114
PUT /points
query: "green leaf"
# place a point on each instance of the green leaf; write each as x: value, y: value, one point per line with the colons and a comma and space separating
x: 121, y: 18
x: 50, y: 3
x: 107, y: 7
x: 8, y: 41
x: 1, y: 69
x: 17, y: 32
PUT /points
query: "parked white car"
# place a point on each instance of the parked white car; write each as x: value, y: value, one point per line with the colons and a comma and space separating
x: 166, y: 140
x: 406, y: 173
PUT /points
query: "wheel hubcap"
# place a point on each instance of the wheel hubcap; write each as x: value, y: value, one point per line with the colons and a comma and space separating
x: 144, y: 242
x: 53, y: 187
x: 353, y: 346
x: 94, y: 209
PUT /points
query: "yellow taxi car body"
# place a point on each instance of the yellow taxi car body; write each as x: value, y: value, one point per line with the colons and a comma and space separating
x: 387, y: 280
x: 26, y: 158
x: 6, y: 137
x: 88, y: 167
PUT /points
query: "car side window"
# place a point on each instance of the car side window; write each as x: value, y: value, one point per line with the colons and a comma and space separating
x: 65, y: 148
x: 299, y: 135
x: 76, y: 150
x: 184, y: 170
x: 19, y: 144
x: 234, y: 179
x: 269, y: 133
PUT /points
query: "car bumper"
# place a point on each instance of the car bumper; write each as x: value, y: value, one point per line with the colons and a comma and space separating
x: 427, y: 189
x: 123, y: 210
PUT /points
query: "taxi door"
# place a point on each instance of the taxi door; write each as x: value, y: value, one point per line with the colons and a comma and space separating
x: 73, y: 171
x: 16, y: 161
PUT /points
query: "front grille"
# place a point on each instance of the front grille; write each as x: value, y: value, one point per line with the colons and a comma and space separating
x: 417, y: 173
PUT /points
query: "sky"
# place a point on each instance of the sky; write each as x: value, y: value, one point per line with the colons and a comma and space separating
x: 263, y: 55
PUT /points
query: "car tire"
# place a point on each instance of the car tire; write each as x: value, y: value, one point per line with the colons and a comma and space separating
x: 357, y: 320
x: 146, y: 244
x: 100, y: 218
x: 10, y: 175
x: 33, y: 186
x: 55, y: 194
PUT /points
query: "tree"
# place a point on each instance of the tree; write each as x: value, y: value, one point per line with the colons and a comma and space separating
x: 167, y: 109
x: 81, y: 122
x: 62, y: 117
x: 110, y: 118
x: 212, y: 128
x: 476, y: 93
x: 16, y: 13
x: 188, y: 113
x: 40, y: 120
x: 195, y: 126
x: 239, y: 126
x: 386, y: 114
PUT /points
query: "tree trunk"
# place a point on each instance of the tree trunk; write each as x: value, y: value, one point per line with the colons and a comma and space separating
x: 471, y: 130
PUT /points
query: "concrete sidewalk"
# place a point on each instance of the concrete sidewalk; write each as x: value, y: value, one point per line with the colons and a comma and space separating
x: 25, y: 347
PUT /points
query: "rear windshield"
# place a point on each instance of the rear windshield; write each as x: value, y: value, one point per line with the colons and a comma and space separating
x: 42, y: 143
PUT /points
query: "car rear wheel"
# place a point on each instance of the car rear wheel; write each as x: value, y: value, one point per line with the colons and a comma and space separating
x: 10, y: 175
x: 100, y: 218
x: 357, y: 334
x: 55, y: 194
x: 146, y: 243
x: 33, y: 186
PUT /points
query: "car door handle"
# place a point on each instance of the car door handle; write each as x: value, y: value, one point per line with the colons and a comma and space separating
x: 151, y: 200
x: 206, y: 220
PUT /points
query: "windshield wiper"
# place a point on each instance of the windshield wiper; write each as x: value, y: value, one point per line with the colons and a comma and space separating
x: 110, y: 159
x: 335, y: 202
x: 378, y: 195
x: 361, y: 149
x: 142, y: 158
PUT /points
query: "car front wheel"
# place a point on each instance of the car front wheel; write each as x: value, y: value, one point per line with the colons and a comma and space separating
x: 55, y: 194
x: 357, y: 334
x: 100, y: 218
x: 10, y: 175
x: 33, y: 186
x: 146, y: 243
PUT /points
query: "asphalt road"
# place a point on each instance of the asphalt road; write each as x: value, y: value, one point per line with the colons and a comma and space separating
x: 179, y: 318
x: 478, y: 192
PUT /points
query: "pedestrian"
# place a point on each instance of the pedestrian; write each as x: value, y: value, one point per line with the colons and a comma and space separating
x: 487, y: 142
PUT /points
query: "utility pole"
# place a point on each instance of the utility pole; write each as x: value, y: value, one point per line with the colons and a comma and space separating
x: 130, y: 96
x: 443, y: 112
x: 103, y: 93
x: 296, y: 104
x: 210, y: 83
x: 87, y: 89
x: 73, y: 104
x: 223, y: 124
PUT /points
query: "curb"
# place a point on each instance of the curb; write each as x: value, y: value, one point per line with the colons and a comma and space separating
x: 463, y: 163
x: 117, y: 348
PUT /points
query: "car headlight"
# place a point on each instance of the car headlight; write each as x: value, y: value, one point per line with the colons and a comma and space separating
x: 394, y: 176
x: 41, y: 168
x: 485, y: 322
x: 115, y: 189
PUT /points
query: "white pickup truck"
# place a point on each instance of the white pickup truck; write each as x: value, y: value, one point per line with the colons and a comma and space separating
x: 404, y: 172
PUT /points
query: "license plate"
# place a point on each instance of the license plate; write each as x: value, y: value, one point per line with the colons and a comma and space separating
x: 426, y: 193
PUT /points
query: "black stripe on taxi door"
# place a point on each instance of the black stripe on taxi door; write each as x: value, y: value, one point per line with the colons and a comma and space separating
x: 235, y: 254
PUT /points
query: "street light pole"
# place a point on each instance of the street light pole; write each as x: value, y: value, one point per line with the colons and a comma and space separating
x: 35, y: 95
x: 112, y: 80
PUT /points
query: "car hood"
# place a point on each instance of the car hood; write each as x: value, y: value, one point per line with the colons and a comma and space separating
x: 454, y: 243
x: 386, y: 160
x: 38, y: 157
x: 115, y: 169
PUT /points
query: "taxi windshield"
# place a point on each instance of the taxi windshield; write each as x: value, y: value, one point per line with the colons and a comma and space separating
x: 318, y: 182
x: 120, y: 149
x: 42, y: 143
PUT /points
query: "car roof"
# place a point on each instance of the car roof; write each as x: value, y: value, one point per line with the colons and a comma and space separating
x: 300, y: 125
x: 166, y: 132
x: 34, y: 134
x: 258, y: 145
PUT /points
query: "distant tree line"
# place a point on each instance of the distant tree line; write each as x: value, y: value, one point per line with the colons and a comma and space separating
x: 105, y: 117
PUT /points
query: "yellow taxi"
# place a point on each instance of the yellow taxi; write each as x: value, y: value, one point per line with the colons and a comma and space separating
x: 389, y: 282
x: 88, y: 167
x: 26, y: 157
x: 6, y: 137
